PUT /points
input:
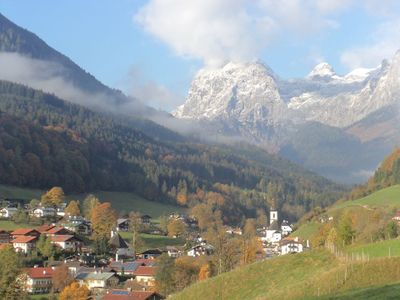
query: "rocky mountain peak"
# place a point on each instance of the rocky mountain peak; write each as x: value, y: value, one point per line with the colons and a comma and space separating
x: 322, y: 70
x: 246, y: 92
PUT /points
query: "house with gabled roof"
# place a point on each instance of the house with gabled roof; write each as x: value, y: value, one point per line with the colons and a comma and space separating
x: 98, y: 279
x: 25, y: 232
x: 43, y: 212
x: 45, y: 227
x: 67, y: 242
x: 291, y: 245
x: 122, y: 224
x: 131, y: 295
x: 24, y: 243
x: 37, y: 280
x: 125, y: 268
x: 145, y: 275
x: 119, y: 246
x: 58, y: 230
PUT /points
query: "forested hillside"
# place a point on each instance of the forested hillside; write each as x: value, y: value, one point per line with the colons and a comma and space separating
x: 386, y: 175
x: 108, y: 152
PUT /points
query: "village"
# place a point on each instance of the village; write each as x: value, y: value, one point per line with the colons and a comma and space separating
x: 119, y: 270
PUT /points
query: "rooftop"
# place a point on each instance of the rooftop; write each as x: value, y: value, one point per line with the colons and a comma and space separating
x: 127, y: 295
x: 38, y: 273
x: 24, y: 239
x: 95, y: 275
x: 24, y: 231
x: 145, y: 271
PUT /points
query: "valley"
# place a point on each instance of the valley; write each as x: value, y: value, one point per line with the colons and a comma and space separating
x: 254, y: 186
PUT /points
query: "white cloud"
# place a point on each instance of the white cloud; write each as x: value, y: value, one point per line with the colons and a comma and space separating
x: 385, y: 41
x: 215, y: 31
x: 218, y: 30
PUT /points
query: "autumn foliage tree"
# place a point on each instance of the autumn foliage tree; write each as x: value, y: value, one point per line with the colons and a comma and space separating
x: 73, y: 209
x: 205, y: 272
x: 74, y: 292
x: 53, y: 197
x: 176, y: 228
x: 90, y: 202
x: 103, y: 220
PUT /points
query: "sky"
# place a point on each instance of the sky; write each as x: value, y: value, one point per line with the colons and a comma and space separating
x: 152, y: 49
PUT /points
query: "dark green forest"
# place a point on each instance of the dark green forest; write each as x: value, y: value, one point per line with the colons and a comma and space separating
x: 82, y: 150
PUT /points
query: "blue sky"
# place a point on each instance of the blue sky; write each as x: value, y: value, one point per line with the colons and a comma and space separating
x: 129, y: 44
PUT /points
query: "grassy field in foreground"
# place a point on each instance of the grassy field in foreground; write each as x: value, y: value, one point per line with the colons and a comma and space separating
x: 121, y: 201
x: 386, y: 292
x: 299, y: 276
x: 389, y: 197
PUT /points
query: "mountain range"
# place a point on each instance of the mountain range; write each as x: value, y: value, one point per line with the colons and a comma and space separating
x: 338, y: 126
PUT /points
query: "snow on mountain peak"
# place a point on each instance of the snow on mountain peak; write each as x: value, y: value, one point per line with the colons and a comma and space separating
x: 246, y: 92
x: 322, y: 70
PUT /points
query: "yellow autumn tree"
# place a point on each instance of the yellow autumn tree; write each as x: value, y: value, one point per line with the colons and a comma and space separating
x: 53, y: 197
x: 74, y: 292
x: 73, y: 209
x: 176, y: 228
x: 103, y: 220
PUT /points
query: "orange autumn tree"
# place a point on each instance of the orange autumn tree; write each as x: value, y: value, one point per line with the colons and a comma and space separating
x: 103, y: 220
x: 75, y: 292
x: 204, y: 272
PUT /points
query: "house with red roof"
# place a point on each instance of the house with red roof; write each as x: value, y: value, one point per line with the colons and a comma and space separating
x: 67, y: 242
x: 38, y: 280
x: 24, y: 243
x: 145, y: 275
x: 45, y: 227
x: 58, y: 230
x: 25, y: 232
x: 131, y: 295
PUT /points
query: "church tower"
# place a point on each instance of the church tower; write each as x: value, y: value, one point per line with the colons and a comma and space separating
x: 273, y: 216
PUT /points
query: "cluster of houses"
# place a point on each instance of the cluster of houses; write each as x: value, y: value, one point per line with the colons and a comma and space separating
x: 276, y: 239
x: 38, y: 212
x: 134, y: 280
x: 106, y: 279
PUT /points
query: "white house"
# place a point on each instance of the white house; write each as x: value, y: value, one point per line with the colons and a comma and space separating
x: 37, y: 280
x: 66, y: 242
x: 290, y: 245
x: 201, y: 249
x: 286, y: 229
x: 8, y: 212
x: 42, y: 212
x: 97, y: 280
x: 24, y: 243
x: 145, y: 275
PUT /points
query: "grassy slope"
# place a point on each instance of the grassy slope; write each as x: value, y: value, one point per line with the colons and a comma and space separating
x: 388, y: 197
x: 301, y: 276
x: 387, y: 248
x: 373, y: 293
x: 120, y: 201
x: 307, y: 230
